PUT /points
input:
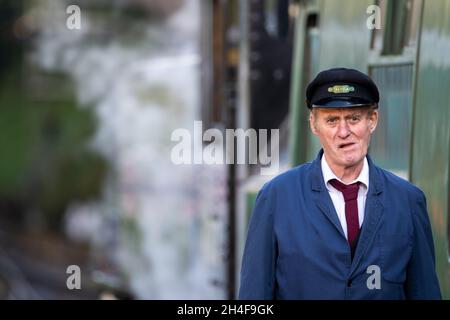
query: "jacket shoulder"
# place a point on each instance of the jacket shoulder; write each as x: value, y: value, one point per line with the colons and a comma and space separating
x: 288, y: 182
x: 400, y: 184
x: 288, y: 177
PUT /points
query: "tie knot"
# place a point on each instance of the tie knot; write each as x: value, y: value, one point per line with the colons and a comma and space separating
x: 350, y: 191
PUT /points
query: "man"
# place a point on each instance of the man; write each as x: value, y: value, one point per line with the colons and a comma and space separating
x: 340, y: 227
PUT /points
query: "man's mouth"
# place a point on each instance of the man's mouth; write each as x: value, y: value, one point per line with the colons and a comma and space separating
x: 346, y: 145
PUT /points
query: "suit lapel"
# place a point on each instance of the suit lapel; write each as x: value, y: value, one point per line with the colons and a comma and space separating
x: 325, y: 204
x: 372, y: 215
x: 322, y: 197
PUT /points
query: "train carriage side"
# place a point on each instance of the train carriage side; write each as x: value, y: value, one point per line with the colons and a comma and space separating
x: 408, y: 58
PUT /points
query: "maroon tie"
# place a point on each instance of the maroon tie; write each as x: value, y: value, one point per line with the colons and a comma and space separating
x: 350, y: 193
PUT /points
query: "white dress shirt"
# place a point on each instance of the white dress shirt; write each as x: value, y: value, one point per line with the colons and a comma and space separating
x: 338, y: 198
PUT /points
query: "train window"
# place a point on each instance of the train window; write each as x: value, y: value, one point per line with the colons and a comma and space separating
x: 391, y: 65
x: 390, y: 146
x: 376, y: 42
x: 414, y: 8
x: 400, y: 21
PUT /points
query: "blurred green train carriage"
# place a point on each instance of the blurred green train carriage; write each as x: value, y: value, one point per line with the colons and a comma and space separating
x: 407, y: 57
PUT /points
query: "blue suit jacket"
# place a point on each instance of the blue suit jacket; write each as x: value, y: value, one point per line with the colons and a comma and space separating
x: 296, y: 248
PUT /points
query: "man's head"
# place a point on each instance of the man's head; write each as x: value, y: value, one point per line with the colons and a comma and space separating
x: 344, y: 132
x: 343, y: 104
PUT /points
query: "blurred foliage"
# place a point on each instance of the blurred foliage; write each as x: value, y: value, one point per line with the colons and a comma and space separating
x: 46, y: 162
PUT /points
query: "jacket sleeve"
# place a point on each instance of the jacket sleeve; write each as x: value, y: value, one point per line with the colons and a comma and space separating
x: 421, y: 282
x: 260, y: 252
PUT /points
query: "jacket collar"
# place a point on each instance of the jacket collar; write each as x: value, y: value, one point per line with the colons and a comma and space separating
x: 318, y: 184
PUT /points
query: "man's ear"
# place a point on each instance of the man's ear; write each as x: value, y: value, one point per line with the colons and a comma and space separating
x: 312, y: 123
x: 373, y: 120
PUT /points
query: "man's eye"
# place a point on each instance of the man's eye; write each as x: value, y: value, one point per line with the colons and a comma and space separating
x: 355, y: 119
x: 331, y: 121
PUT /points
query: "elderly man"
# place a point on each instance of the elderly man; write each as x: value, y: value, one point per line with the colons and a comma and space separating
x: 340, y: 227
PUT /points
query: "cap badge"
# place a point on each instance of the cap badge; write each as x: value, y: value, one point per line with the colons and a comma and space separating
x: 341, y: 89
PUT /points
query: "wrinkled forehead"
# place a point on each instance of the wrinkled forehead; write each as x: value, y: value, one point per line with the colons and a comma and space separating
x: 339, y: 111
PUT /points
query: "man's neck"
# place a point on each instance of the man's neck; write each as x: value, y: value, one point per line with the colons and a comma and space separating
x: 346, y: 174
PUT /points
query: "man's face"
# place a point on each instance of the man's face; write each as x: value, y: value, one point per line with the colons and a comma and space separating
x: 344, y: 133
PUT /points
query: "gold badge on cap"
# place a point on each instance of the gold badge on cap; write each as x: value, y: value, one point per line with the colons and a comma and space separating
x: 341, y: 89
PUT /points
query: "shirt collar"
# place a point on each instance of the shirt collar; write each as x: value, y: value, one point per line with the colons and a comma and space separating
x: 328, y: 174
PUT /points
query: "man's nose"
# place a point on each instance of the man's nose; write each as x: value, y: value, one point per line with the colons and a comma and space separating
x: 343, y: 130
